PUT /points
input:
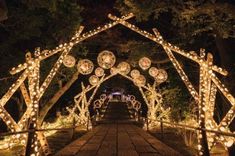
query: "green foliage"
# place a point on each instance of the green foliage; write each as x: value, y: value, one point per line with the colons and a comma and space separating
x: 177, y: 97
x: 38, y: 23
x: 191, y: 17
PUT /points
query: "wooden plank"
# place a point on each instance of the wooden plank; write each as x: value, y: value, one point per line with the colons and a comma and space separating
x: 118, y: 139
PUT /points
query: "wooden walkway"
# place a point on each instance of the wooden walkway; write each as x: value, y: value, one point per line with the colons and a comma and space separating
x: 117, y: 139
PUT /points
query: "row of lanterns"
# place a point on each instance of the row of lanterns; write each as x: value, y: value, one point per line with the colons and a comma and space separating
x: 106, y: 60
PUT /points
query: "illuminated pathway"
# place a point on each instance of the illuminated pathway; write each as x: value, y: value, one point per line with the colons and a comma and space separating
x: 117, y: 138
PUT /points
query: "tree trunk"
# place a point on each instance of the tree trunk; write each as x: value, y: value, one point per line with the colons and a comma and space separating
x: 45, y: 109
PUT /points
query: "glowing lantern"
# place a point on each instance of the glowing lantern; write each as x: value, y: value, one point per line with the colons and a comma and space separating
x: 140, y: 80
x: 132, y: 98
x: 94, y: 80
x: 161, y: 76
x: 113, y: 70
x: 99, y: 72
x: 106, y: 59
x: 85, y: 66
x: 124, y: 68
x: 69, y: 61
x: 153, y: 71
x: 229, y: 143
x: 97, y: 104
x: 144, y: 63
x: 135, y: 73
x: 103, y: 96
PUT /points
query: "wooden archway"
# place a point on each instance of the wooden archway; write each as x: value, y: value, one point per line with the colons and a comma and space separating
x: 209, y: 84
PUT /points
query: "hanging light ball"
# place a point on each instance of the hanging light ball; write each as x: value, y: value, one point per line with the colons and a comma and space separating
x: 161, y: 76
x: 153, y: 71
x: 99, y: 71
x: 140, y: 80
x: 113, y: 70
x: 106, y: 59
x: 97, y: 104
x: 144, y: 63
x: 94, y: 80
x: 132, y: 98
x: 85, y: 66
x: 103, y: 96
x: 124, y: 68
x: 69, y: 61
x: 135, y: 73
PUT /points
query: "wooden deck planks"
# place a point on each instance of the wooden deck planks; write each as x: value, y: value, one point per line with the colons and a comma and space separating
x: 117, y: 140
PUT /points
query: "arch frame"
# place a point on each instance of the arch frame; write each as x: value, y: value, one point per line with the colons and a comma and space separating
x: 209, y: 83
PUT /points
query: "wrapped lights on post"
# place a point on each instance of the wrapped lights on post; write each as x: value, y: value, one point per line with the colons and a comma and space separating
x: 94, y: 80
x: 135, y: 73
x: 99, y: 71
x: 124, y: 68
x: 106, y: 59
x: 85, y: 66
x: 144, y: 63
x: 69, y: 61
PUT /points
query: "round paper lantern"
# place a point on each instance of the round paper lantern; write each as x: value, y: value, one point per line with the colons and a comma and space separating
x: 124, y: 68
x: 137, y: 105
x: 103, y: 96
x: 85, y: 66
x: 106, y: 59
x: 153, y: 71
x: 135, y: 73
x: 94, y: 80
x: 161, y: 76
x: 97, y: 104
x: 144, y: 63
x: 113, y: 70
x: 132, y: 97
x: 140, y: 80
x: 69, y: 61
x: 99, y: 72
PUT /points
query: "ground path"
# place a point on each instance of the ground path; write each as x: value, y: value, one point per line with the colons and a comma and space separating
x: 117, y: 138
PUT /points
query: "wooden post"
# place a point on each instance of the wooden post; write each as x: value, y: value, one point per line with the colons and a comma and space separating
x: 204, y: 90
x: 147, y: 123
x: 73, y: 129
x: 161, y: 125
